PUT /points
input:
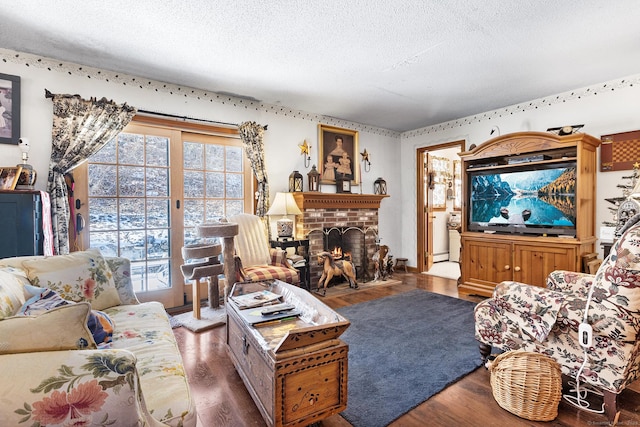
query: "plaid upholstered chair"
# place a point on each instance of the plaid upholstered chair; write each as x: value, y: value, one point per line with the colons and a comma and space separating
x: 255, y: 259
x: 547, y: 320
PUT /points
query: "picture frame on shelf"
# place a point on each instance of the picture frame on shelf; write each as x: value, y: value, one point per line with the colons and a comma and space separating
x: 9, y: 109
x: 338, y: 151
x: 9, y: 177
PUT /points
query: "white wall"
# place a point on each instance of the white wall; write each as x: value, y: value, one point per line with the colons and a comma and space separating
x: 286, y: 128
x: 605, y: 108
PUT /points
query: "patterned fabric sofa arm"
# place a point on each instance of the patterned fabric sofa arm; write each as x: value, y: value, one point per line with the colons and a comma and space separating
x: 516, y: 309
x: 91, y: 387
x: 570, y: 282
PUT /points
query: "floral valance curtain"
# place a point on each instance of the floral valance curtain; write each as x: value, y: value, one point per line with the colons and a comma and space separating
x: 251, y: 135
x: 80, y: 128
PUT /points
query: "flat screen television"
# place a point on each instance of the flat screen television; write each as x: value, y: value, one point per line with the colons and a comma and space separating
x: 530, y: 199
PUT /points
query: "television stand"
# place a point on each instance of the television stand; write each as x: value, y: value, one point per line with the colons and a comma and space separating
x: 490, y: 258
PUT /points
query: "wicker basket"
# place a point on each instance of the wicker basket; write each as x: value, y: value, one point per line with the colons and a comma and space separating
x: 527, y: 384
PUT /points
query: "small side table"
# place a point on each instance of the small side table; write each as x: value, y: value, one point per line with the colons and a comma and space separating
x: 305, y: 273
x: 401, y: 262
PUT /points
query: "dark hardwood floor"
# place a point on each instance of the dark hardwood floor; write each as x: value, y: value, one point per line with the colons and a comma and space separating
x: 222, y: 399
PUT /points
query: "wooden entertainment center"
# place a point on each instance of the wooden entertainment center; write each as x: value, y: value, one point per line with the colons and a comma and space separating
x: 489, y: 258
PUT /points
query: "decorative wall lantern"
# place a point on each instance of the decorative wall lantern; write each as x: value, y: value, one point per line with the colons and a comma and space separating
x: 380, y: 186
x: 314, y: 179
x: 295, y: 182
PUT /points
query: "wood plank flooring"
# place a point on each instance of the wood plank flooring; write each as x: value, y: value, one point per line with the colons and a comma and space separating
x: 222, y: 399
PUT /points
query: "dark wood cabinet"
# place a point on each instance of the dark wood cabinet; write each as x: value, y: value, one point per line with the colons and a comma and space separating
x: 21, y: 224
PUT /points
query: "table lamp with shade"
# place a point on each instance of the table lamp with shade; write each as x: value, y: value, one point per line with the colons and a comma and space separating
x: 284, y: 204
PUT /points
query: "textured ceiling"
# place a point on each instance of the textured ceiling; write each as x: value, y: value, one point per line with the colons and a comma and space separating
x: 395, y: 64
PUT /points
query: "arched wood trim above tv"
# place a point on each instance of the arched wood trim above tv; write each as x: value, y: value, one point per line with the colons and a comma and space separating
x: 529, y: 142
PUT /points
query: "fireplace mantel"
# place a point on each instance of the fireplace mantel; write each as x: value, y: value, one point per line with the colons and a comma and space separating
x: 315, y: 200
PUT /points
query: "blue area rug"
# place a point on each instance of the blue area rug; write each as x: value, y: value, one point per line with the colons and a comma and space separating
x: 403, y: 349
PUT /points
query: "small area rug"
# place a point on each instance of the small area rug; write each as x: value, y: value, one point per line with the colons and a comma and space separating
x: 446, y: 269
x: 403, y: 349
x: 344, y: 289
x: 209, y: 318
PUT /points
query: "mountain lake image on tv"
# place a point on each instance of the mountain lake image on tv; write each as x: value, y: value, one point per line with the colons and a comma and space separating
x: 540, y: 201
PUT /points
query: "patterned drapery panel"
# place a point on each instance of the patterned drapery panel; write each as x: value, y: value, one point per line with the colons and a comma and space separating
x: 80, y: 128
x: 251, y: 134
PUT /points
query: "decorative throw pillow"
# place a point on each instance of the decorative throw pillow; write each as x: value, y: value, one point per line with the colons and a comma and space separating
x: 44, y: 300
x: 61, y: 328
x: 101, y: 327
x: 12, y: 282
x: 79, y: 276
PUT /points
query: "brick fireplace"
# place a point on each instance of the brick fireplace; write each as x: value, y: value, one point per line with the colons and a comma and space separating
x: 353, y: 216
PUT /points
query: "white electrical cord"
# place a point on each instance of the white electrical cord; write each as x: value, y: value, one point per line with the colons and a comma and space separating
x: 578, y: 399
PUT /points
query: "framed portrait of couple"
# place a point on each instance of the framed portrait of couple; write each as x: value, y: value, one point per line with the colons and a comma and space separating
x: 338, y: 155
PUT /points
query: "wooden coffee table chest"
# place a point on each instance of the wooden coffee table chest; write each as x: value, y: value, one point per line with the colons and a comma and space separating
x: 295, y: 369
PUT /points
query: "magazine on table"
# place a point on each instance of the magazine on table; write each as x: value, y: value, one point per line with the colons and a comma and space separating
x: 255, y: 299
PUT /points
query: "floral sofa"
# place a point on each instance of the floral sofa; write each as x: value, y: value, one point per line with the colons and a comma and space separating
x: 78, y: 348
x: 546, y: 320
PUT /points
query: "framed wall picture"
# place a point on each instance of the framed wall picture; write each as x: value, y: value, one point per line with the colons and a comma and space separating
x: 9, y: 109
x: 338, y: 151
x: 9, y: 177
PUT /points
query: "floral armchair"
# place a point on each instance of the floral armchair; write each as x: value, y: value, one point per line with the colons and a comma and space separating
x: 546, y: 320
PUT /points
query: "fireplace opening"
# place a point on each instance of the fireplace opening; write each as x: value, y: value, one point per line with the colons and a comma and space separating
x: 347, y: 244
x: 352, y: 243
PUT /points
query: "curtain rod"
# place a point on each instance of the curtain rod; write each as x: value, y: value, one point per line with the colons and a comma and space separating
x: 48, y: 94
x: 174, y: 116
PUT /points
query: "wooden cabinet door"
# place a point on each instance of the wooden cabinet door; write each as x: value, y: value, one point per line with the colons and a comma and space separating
x: 487, y: 262
x: 532, y: 264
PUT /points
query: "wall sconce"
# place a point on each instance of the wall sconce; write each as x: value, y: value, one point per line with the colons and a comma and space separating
x: 380, y: 186
x: 365, y: 161
x: 304, y: 150
x: 295, y: 182
x: 314, y: 179
x: 284, y: 204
